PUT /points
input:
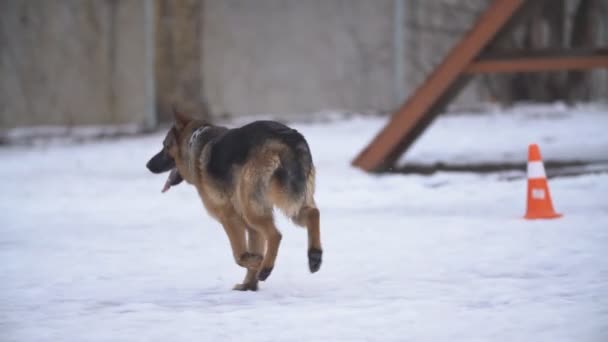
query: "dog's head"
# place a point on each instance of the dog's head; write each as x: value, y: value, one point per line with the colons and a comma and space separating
x: 164, y: 160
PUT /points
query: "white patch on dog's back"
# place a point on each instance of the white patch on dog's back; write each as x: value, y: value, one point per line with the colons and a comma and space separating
x: 196, y: 134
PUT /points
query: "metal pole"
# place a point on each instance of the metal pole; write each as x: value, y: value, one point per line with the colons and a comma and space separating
x: 398, y: 53
x: 150, y: 117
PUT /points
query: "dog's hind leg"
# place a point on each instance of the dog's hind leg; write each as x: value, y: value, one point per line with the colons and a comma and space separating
x: 255, y: 246
x: 309, y: 217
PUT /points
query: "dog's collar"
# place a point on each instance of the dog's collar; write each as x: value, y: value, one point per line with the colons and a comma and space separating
x: 195, y: 146
x: 196, y: 134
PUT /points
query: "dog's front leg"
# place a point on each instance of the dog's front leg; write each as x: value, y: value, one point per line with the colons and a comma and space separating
x: 235, y: 229
x: 255, y: 246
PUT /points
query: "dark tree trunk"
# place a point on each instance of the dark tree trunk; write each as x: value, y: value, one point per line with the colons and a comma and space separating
x: 179, y: 60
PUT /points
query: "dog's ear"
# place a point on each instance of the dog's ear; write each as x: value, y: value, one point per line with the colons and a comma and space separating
x: 170, y: 138
x: 181, y: 119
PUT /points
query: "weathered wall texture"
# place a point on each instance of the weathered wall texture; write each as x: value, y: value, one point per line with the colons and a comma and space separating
x: 179, y: 41
x: 79, y: 62
x: 294, y: 56
x: 432, y: 28
x: 72, y: 62
x: 290, y: 56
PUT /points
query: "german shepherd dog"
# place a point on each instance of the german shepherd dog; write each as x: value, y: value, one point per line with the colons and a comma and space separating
x: 241, y: 174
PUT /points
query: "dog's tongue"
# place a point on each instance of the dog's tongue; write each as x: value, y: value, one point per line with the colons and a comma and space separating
x: 174, y: 178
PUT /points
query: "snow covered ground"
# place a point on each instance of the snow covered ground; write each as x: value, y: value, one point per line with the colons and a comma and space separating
x: 500, y: 136
x: 91, y: 251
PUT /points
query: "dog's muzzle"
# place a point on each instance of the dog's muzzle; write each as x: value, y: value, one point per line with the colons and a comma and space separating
x: 160, y: 163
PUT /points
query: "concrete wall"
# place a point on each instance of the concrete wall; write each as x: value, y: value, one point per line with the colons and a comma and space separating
x: 72, y: 62
x: 81, y: 62
x: 290, y: 56
x: 294, y: 56
x: 179, y: 41
x: 298, y: 56
x: 432, y: 28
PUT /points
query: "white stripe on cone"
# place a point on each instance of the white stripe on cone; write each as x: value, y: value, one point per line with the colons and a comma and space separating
x: 536, y: 169
x: 538, y: 194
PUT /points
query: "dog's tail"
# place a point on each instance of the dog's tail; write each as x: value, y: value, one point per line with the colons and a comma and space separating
x: 294, y: 177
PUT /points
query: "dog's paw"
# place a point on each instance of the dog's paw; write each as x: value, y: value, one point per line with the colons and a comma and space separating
x: 264, y: 273
x: 250, y: 260
x: 246, y: 287
x: 315, y: 258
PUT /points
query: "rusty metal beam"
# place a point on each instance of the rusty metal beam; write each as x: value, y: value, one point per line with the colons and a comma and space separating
x: 423, y: 106
x: 532, y: 64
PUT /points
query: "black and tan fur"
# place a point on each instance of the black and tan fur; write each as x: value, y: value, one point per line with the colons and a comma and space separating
x: 241, y: 174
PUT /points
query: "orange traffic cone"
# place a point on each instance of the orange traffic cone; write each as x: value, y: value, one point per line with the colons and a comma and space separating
x: 539, y: 198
